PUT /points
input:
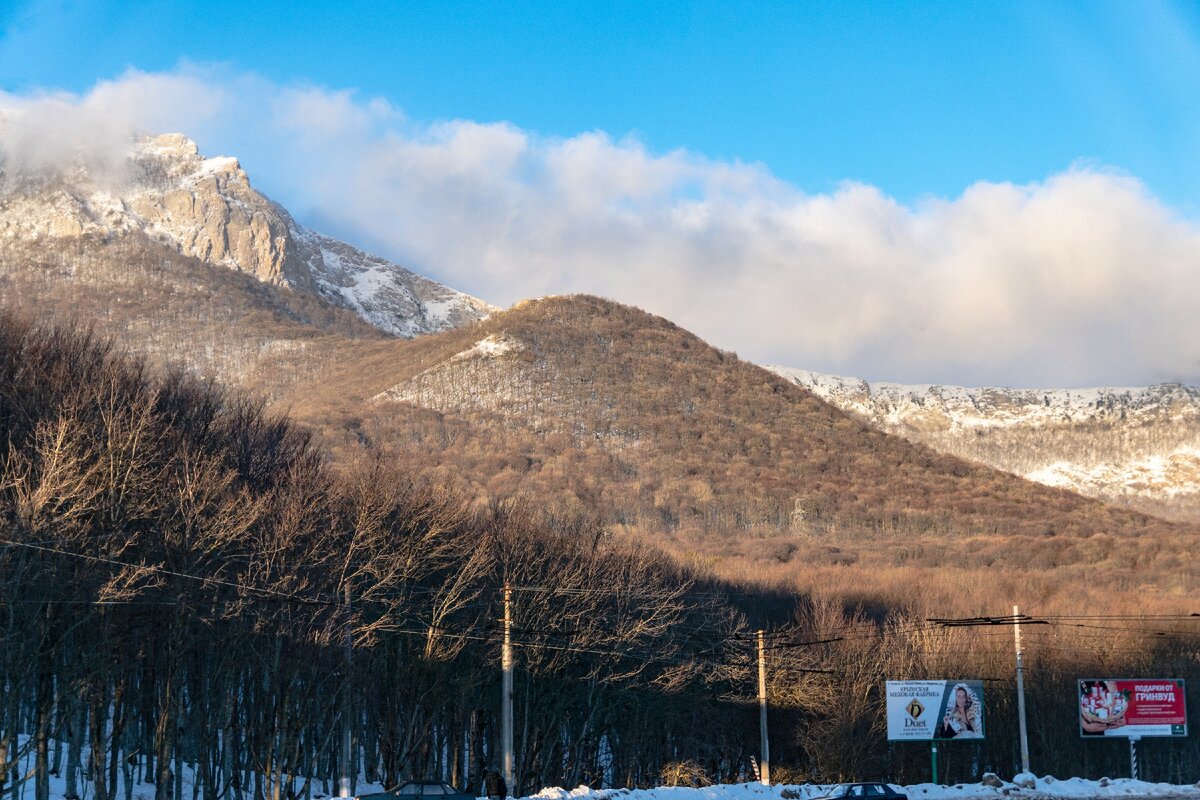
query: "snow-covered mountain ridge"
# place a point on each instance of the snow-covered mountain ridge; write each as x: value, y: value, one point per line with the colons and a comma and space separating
x: 965, y: 407
x: 1137, y: 445
x: 207, y: 208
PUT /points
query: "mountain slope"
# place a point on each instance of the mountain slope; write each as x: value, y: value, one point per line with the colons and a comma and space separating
x: 179, y: 310
x: 1137, y: 446
x: 207, y: 208
x: 584, y: 404
x: 590, y: 407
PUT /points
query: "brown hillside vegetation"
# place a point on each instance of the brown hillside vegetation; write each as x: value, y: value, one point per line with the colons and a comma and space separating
x: 178, y: 310
x: 583, y: 403
x: 171, y: 580
x: 587, y: 406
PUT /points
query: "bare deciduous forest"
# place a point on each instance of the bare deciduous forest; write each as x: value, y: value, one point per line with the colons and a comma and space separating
x: 176, y: 553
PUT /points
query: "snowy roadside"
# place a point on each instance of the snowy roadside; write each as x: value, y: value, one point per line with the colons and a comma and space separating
x: 1046, y: 788
x: 1042, y: 789
x: 1030, y: 788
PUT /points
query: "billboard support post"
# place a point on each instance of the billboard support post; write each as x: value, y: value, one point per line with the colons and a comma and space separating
x: 762, y: 713
x: 344, y: 779
x: 506, y: 698
x: 1133, y: 757
x: 933, y: 757
x: 1021, y: 690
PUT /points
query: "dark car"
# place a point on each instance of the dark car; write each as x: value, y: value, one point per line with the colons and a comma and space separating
x: 415, y: 790
x: 877, y: 791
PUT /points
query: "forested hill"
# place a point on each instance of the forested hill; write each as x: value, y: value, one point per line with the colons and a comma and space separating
x: 586, y: 403
x: 173, y: 568
x: 587, y: 406
x: 172, y: 575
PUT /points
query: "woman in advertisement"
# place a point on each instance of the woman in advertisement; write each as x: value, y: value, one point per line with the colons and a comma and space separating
x: 963, y: 719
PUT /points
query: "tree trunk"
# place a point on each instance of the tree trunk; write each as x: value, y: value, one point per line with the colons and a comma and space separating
x: 43, y: 706
x: 99, y: 720
x: 77, y: 719
x: 163, y: 743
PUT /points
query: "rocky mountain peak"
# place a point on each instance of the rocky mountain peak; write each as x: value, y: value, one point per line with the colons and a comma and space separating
x: 207, y: 208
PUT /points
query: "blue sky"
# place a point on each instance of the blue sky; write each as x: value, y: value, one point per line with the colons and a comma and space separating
x: 915, y: 98
x: 961, y: 192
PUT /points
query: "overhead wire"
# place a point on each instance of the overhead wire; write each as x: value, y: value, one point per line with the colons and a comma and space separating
x: 784, y: 641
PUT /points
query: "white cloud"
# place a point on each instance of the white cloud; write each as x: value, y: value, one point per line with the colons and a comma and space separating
x: 46, y: 132
x: 1084, y: 278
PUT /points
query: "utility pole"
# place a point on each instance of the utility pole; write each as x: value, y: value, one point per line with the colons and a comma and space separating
x: 1021, y: 690
x: 347, y: 667
x: 506, y: 696
x: 765, y: 771
x: 1133, y: 770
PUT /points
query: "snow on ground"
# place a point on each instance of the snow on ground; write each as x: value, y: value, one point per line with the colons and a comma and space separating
x: 1043, y: 788
x: 438, y: 311
x: 1172, y: 474
x: 1031, y: 788
x: 210, y: 166
x: 1046, y: 788
x: 988, y: 407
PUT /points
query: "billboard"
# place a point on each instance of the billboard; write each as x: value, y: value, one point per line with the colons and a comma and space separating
x: 927, y: 710
x: 1132, y: 708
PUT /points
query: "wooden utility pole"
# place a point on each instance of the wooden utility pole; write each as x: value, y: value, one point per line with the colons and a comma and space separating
x: 1021, y: 690
x: 347, y: 667
x: 506, y: 696
x: 765, y: 768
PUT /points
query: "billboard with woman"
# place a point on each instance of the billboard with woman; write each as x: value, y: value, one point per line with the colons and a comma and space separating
x: 935, y: 709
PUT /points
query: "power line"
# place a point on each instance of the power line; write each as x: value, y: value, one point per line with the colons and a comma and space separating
x: 783, y: 641
x: 290, y: 596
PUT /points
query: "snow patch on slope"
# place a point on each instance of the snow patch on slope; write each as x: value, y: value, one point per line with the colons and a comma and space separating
x: 386, y: 295
x: 447, y: 387
x: 1175, y: 474
x: 492, y: 346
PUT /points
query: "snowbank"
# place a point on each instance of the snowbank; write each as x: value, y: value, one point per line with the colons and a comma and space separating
x: 1045, y: 787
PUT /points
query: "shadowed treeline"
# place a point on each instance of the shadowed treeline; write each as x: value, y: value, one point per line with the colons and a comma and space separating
x: 172, y: 571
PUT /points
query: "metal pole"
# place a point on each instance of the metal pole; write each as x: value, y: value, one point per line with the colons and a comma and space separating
x: 1133, y: 770
x: 762, y: 713
x: 1021, y: 691
x: 347, y: 667
x: 933, y: 758
x: 506, y: 695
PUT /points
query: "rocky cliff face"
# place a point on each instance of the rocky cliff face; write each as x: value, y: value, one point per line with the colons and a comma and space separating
x: 207, y: 208
x: 1139, y: 446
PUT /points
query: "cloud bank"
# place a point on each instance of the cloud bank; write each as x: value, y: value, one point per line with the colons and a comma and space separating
x: 1081, y: 279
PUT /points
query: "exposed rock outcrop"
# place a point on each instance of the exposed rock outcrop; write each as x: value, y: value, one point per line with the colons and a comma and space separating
x: 207, y: 208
